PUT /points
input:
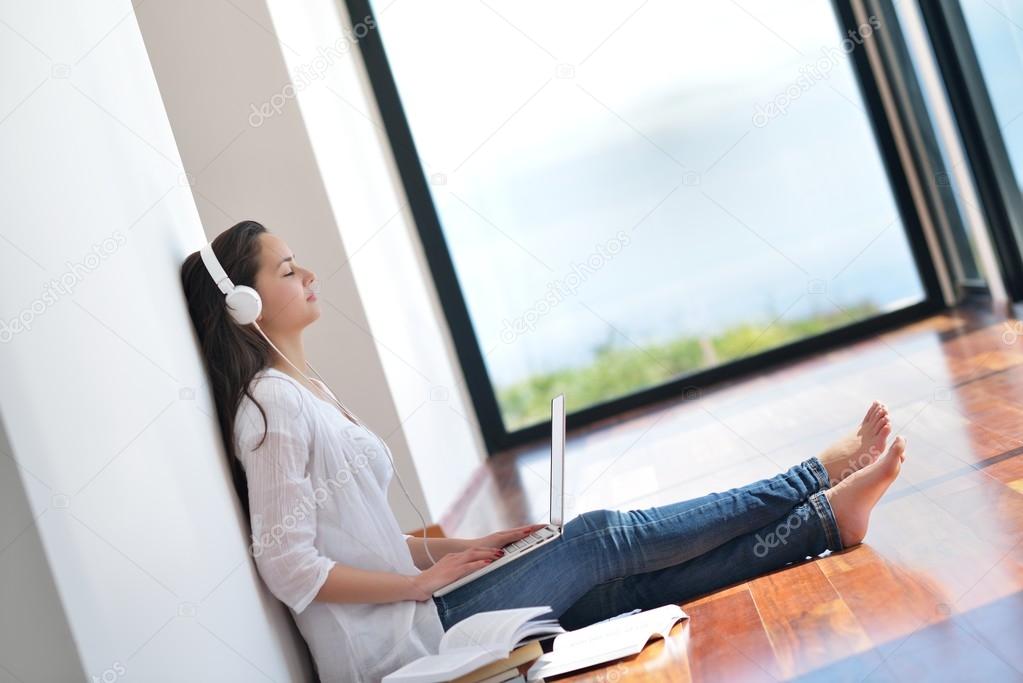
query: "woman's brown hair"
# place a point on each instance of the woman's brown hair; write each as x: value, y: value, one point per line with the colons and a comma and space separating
x: 232, y: 353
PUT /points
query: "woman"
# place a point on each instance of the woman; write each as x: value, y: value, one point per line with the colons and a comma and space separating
x: 314, y: 484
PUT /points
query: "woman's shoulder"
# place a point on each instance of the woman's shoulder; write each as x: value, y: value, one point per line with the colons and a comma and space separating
x: 280, y: 397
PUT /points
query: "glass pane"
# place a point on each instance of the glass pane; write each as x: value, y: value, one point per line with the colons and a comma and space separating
x: 996, y: 30
x: 632, y: 192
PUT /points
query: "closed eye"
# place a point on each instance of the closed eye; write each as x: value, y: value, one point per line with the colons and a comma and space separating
x: 291, y: 273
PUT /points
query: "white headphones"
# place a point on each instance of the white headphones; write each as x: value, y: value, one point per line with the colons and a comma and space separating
x: 244, y: 306
x: 243, y: 303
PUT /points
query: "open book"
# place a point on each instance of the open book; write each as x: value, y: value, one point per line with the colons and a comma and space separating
x: 605, y: 641
x: 476, y: 641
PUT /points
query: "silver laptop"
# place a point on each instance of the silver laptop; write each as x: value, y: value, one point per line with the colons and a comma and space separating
x: 550, y: 532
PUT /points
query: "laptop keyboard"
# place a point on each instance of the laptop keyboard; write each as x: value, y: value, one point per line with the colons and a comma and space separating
x: 531, y: 539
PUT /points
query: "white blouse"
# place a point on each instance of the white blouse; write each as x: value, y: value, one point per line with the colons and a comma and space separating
x: 317, y: 492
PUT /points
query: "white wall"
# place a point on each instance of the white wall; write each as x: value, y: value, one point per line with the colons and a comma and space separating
x: 110, y: 443
x: 27, y: 589
x: 322, y: 178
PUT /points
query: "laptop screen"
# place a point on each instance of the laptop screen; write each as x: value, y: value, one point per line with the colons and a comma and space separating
x: 558, y: 460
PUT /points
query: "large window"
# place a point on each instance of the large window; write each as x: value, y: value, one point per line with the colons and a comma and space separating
x: 631, y: 193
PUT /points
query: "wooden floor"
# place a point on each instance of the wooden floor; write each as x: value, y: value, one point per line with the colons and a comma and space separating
x: 934, y: 591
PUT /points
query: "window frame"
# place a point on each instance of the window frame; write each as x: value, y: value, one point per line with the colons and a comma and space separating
x: 981, y: 135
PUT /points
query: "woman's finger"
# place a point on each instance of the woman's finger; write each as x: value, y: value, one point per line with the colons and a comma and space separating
x: 483, y: 550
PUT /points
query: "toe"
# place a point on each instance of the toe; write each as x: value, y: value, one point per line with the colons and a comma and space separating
x: 882, y: 424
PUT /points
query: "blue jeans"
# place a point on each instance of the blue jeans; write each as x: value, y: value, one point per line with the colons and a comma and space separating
x: 608, y: 561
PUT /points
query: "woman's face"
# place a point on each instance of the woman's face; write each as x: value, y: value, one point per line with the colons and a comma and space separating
x: 289, y: 304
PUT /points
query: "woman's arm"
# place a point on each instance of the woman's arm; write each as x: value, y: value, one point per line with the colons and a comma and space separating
x: 439, y: 547
x: 350, y: 584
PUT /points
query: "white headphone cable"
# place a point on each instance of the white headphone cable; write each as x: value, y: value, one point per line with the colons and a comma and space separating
x: 359, y: 422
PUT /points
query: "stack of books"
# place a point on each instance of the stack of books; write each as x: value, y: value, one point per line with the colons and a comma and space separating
x: 506, y: 669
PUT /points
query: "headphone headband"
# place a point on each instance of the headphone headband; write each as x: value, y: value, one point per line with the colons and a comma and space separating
x: 215, y: 270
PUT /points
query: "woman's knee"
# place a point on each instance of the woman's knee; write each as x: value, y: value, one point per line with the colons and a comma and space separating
x: 593, y: 520
x: 595, y: 542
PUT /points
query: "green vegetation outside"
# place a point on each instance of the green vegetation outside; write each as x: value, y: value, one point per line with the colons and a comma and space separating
x: 618, y: 370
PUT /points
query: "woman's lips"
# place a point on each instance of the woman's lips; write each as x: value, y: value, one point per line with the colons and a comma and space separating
x: 311, y: 297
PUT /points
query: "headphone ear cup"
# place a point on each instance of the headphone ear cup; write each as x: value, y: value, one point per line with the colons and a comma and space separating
x: 244, y: 305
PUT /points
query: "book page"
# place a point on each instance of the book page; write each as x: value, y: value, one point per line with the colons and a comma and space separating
x: 495, y: 629
x: 539, y: 627
x: 615, y: 635
x: 441, y: 667
x: 605, y: 641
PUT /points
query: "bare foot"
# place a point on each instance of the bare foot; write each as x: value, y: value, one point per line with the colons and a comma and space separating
x: 854, y: 498
x: 856, y: 451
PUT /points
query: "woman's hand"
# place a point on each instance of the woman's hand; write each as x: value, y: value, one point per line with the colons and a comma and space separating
x: 476, y: 553
x: 452, y: 567
x: 499, y: 539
